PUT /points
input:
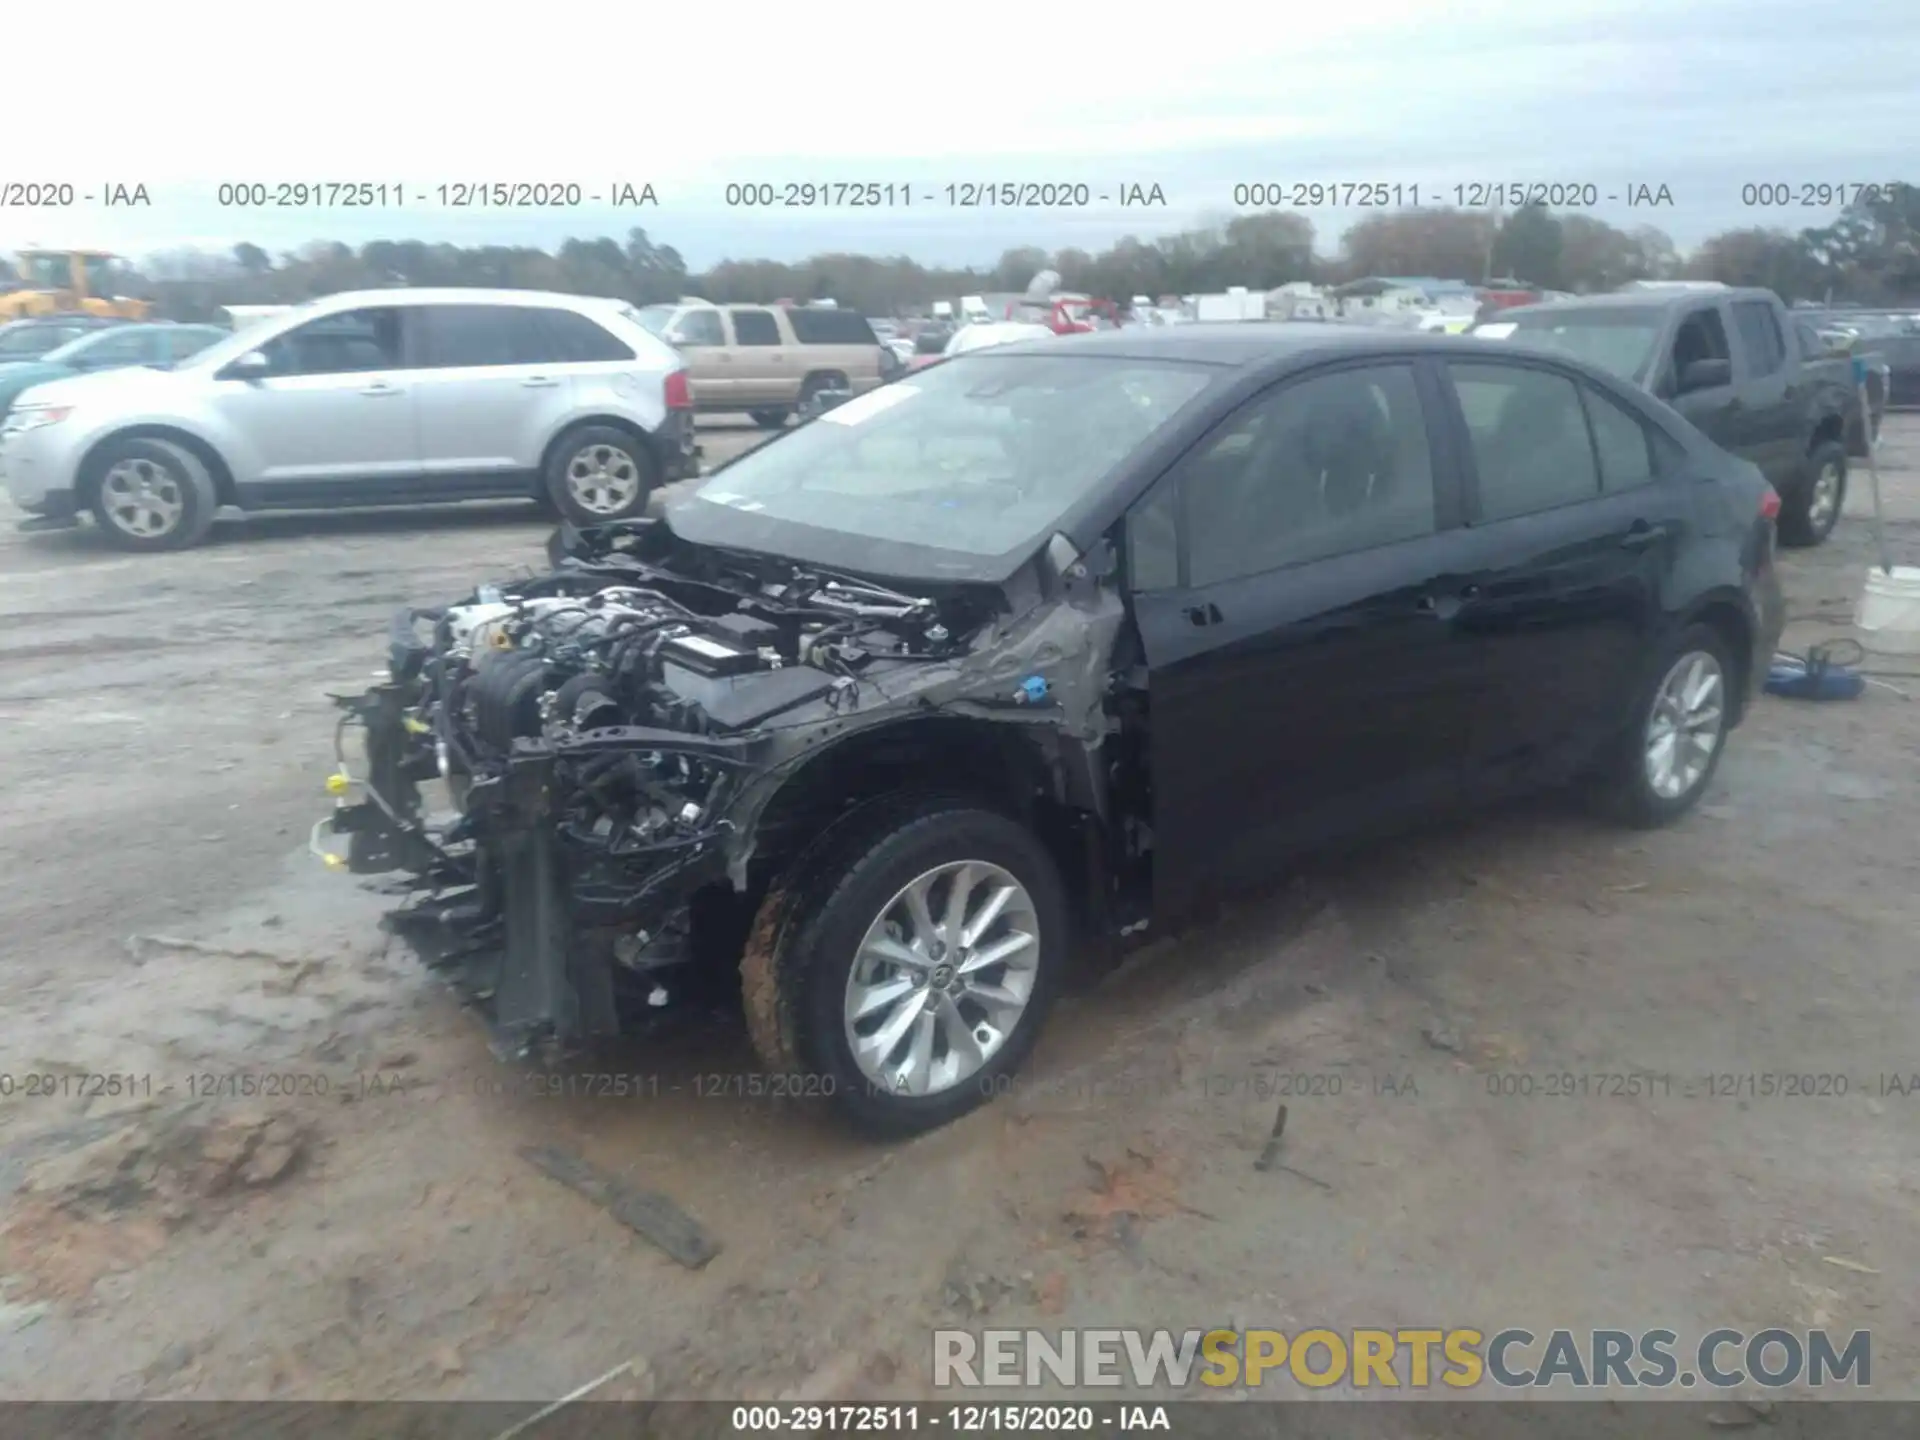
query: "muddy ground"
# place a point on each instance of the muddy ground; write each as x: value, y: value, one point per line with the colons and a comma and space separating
x: 166, y: 733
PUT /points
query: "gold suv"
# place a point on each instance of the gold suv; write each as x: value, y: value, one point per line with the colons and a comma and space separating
x: 768, y: 360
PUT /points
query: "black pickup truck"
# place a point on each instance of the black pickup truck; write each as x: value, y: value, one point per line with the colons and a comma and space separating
x: 1737, y: 366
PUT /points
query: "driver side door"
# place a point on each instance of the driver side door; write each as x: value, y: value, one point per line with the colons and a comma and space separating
x: 331, y: 421
x: 1305, y: 680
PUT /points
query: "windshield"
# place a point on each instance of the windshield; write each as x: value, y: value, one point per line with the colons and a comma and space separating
x: 1620, y: 341
x: 654, y: 318
x: 973, y: 460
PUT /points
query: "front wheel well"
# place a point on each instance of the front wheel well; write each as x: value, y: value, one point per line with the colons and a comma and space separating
x: 92, y: 468
x: 994, y: 765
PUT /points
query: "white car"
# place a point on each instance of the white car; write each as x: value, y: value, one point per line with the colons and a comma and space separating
x: 989, y: 333
x: 378, y: 397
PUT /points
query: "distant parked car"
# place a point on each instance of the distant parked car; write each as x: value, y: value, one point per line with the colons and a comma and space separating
x: 107, y: 348
x: 768, y: 360
x: 379, y: 397
x: 1735, y: 364
x: 30, y: 339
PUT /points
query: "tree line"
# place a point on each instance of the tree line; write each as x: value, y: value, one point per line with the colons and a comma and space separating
x: 1868, y: 254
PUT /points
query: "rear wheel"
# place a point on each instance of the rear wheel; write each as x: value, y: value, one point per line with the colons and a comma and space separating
x: 916, y: 964
x: 1808, y: 515
x: 1660, y: 767
x: 153, y: 495
x: 599, y: 474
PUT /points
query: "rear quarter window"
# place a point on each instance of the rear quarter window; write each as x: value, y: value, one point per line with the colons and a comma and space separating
x: 830, y: 327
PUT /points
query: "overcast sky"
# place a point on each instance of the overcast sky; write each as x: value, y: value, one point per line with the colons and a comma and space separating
x: 1700, y: 96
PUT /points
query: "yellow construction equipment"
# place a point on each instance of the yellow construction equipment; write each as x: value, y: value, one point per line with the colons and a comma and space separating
x: 66, y: 282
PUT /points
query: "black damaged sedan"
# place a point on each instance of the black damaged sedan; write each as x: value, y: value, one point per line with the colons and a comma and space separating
x: 914, y: 711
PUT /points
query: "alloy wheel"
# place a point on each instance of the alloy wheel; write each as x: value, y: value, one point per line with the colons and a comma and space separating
x: 603, y: 479
x: 942, y: 978
x: 142, y: 498
x: 1824, y: 503
x: 1689, y: 713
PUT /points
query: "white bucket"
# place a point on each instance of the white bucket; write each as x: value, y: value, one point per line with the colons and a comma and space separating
x: 1889, y: 618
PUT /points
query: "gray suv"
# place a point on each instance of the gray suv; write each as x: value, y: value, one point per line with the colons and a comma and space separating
x: 379, y: 397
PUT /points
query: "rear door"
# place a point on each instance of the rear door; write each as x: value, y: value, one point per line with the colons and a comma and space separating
x: 484, y: 372
x: 764, y: 370
x: 1572, y: 531
x: 1771, y: 395
x: 1303, y: 681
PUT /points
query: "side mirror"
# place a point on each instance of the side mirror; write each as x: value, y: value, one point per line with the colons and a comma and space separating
x: 1705, y: 375
x: 251, y: 366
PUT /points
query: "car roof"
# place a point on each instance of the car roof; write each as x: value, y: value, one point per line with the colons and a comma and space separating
x: 1635, y: 300
x: 1245, y: 344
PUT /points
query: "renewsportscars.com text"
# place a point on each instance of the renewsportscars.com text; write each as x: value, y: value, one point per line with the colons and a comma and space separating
x: 1413, y: 1359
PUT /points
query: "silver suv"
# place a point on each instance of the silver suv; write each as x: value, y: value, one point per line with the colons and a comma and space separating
x: 379, y: 397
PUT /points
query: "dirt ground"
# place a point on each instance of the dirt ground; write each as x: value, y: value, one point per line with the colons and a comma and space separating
x: 167, y: 732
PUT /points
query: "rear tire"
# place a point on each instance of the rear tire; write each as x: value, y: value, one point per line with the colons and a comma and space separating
x: 1808, y: 515
x: 1658, y: 769
x: 597, y: 475
x: 768, y: 419
x: 838, y: 935
x: 153, y: 495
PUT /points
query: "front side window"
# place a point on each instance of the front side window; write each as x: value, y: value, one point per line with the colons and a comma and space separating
x: 189, y: 341
x: 1319, y: 467
x: 1528, y: 435
x: 700, y: 327
x: 350, y: 342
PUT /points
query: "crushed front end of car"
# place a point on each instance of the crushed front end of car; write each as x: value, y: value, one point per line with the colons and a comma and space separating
x: 610, y: 735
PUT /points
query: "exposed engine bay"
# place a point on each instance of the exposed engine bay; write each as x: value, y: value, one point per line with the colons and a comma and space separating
x: 612, y: 733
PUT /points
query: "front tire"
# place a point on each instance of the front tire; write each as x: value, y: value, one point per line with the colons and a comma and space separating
x: 598, y: 474
x: 153, y: 495
x: 1808, y: 515
x: 768, y: 419
x: 1664, y: 761
x: 914, y: 963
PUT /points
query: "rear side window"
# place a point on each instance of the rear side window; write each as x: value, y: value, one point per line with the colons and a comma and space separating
x: 1318, y: 467
x: 1760, y: 336
x: 815, y: 326
x: 453, y: 336
x: 755, y: 327
x: 567, y: 336
x: 1623, y: 443
x: 1528, y: 435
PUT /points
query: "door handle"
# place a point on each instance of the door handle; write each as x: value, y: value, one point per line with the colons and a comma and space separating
x: 1207, y: 614
x: 379, y: 387
x: 539, y: 382
x: 1642, y: 535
